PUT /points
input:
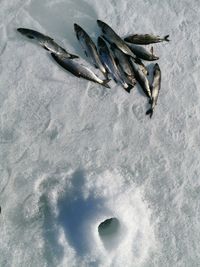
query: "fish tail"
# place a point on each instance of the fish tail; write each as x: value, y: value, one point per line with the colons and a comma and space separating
x: 73, y: 56
x: 166, y: 38
x: 105, y: 83
x: 149, y: 112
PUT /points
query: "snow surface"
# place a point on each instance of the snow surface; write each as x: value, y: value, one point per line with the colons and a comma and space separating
x: 73, y: 154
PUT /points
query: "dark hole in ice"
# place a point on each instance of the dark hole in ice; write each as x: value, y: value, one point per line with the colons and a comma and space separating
x: 109, y: 232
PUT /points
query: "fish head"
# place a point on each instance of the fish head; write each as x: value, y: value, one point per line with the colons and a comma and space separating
x: 77, y: 28
x: 79, y: 31
x: 156, y: 68
x: 26, y: 32
x: 102, y: 25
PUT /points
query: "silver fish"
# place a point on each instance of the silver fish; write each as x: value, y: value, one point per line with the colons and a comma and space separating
x: 113, y: 38
x: 79, y: 70
x: 46, y: 42
x: 145, y: 39
x: 90, y: 48
x: 124, y: 65
x: 143, y: 53
x: 141, y: 78
x: 109, y: 62
x: 155, y: 89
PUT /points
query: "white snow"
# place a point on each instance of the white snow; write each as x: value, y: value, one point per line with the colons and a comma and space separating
x: 73, y: 154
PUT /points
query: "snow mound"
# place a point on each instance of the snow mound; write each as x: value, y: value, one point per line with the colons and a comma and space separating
x: 74, y: 204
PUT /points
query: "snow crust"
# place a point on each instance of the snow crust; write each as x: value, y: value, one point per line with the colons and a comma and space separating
x: 73, y: 154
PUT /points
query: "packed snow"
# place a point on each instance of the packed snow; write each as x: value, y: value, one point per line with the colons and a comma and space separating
x: 74, y: 154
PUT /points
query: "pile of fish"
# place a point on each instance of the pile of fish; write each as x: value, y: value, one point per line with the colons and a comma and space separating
x: 117, y: 58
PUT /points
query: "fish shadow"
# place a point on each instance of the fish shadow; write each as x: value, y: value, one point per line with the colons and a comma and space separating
x: 58, y: 19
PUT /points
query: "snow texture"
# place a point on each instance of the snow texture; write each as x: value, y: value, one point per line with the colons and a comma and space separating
x: 73, y: 154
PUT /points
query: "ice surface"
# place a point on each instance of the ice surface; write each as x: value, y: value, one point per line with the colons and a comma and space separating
x: 73, y: 154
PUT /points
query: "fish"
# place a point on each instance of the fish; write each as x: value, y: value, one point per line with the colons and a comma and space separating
x: 79, y: 70
x: 113, y: 38
x: 90, y: 48
x: 110, y: 64
x: 145, y: 39
x: 155, y: 89
x: 46, y: 42
x: 143, y: 53
x: 124, y: 65
x: 141, y: 78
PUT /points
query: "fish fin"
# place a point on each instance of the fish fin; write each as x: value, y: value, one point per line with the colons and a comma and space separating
x: 45, y: 47
x: 149, y: 112
x: 86, y: 53
x: 128, y: 89
x: 166, y: 38
x: 151, y: 50
x: 73, y: 56
x: 105, y: 83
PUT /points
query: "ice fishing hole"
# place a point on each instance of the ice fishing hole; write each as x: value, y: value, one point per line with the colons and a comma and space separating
x: 109, y: 232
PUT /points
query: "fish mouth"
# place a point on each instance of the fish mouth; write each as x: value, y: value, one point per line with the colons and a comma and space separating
x: 21, y: 30
x: 76, y: 27
x: 156, y: 68
x: 26, y: 33
x: 100, y: 23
